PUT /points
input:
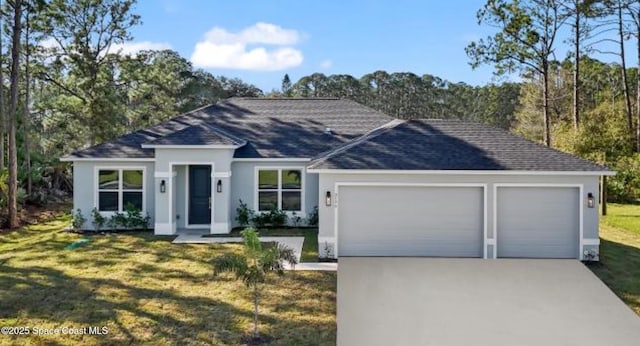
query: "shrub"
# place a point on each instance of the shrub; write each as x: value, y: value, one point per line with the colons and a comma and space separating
x: 78, y: 220
x: 98, y: 220
x: 244, y: 214
x: 296, y: 219
x: 260, y: 219
x: 277, y: 217
x: 118, y: 221
x: 133, y: 218
x: 625, y: 185
x: 312, y: 219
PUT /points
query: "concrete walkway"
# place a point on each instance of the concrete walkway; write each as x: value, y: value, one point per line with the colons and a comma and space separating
x: 293, y: 242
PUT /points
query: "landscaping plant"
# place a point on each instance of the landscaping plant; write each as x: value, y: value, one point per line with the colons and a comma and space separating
x: 98, y: 220
x: 244, y: 214
x: 78, y: 220
x: 254, y: 265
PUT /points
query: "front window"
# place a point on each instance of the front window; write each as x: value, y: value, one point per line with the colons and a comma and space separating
x: 280, y: 189
x: 118, y: 188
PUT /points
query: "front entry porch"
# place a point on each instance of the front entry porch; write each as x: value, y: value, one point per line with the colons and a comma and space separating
x: 195, y: 199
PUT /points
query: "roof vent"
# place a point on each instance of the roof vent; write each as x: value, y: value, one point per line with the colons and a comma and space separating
x: 328, y: 131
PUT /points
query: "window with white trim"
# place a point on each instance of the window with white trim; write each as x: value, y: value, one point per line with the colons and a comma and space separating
x: 280, y: 189
x: 119, y: 187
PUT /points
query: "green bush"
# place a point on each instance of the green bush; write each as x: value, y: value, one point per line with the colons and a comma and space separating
x: 274, y: 218
x: 244, y: 214
x: 296, y: 219
x: 260, y: 219
x: 132, y: 218
x: 117, y: 221
x: 624, y: 187
x: 98, y: 220
x: 78, y: 220
x: 312, y: 219
x: 277, y: 218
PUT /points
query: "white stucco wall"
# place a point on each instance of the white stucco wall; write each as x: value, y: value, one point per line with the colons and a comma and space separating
x: 243, y: 185
x: 85, y: 181
x: 327, y: 236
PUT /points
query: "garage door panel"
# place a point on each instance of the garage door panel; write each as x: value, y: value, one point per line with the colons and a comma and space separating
x: 538, y: 222
x: 410, y: 221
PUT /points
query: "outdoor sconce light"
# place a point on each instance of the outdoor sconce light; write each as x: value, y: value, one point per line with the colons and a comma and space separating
x: 591, y: 202
x: 327, y: 199
x: 163, y: 186
x: 219, y: 186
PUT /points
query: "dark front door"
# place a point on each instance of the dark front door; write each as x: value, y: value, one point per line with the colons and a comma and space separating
x: 199, y: 195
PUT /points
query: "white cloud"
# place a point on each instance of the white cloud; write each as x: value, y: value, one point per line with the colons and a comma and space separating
x: 130, y: 48
x: 49, y: 43
x: 223, y: 49
x: 326, y: 64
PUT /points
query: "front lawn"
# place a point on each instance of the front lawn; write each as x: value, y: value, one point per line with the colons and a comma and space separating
x: 146, y: 290
x: 619, y: 265
x: 309, y: 247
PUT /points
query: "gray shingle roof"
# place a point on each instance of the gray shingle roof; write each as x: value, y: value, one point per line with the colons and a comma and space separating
x: 201, y: 134
x: 447, y: 145
x: 272, y: 128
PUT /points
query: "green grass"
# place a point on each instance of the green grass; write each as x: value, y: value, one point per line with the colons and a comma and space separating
x: 149, y: 291
x: 309, y: 247
x: 619, y: 266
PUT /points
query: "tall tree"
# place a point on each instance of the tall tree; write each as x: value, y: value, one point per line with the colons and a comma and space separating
x: 577, y: 10
x: 623, y: 62
x: 576, y: 65
x: 85, y: 33
x: 3, y: 124
x: 525, y: 41
x: 26, y: 119
x: 13, y: 105
x: 286, y: 86
x: 633, y: 8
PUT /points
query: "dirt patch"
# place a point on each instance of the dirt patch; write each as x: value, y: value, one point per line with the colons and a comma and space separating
x: 31, y: 215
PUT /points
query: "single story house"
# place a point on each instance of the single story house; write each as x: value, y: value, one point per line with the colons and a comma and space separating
x: 383, y: 187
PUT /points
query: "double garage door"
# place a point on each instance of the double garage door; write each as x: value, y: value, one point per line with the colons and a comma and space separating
x: 449, y: 221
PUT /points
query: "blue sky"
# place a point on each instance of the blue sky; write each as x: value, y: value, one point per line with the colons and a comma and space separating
x: 260, y: 41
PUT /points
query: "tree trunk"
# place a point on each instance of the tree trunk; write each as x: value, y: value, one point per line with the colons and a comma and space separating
x: 638, y: 82
x: 576, y: 71
x: 545, y: 103
x: 3, y: 124
x: 26, y: 121
x: 13, y: 105
x: 623, y: 61
x: 255, y: 311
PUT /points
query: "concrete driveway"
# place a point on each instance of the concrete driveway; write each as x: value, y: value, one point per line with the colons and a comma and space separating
x: 441, y: 302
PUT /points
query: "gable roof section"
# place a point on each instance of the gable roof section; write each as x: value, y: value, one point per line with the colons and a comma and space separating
x: 447, y: 145
x: 262, y: 127
x: 197, y: 135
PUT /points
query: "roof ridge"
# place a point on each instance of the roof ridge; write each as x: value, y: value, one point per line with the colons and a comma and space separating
x: 224, y: 133
x: 251, y: 98
x: 357, y: 141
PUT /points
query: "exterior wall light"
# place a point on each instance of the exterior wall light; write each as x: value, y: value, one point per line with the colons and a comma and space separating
x: 163, y: 186
x: 591, y: 202
x: 219, y: 186
x: 327, y: 199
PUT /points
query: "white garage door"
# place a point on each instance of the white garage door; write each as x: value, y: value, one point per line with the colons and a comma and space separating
x: 410, y: 221
x: 538, y: 222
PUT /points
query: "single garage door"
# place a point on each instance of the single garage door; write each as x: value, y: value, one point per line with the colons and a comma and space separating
x: 538, y: 222
x: 410, y: 221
